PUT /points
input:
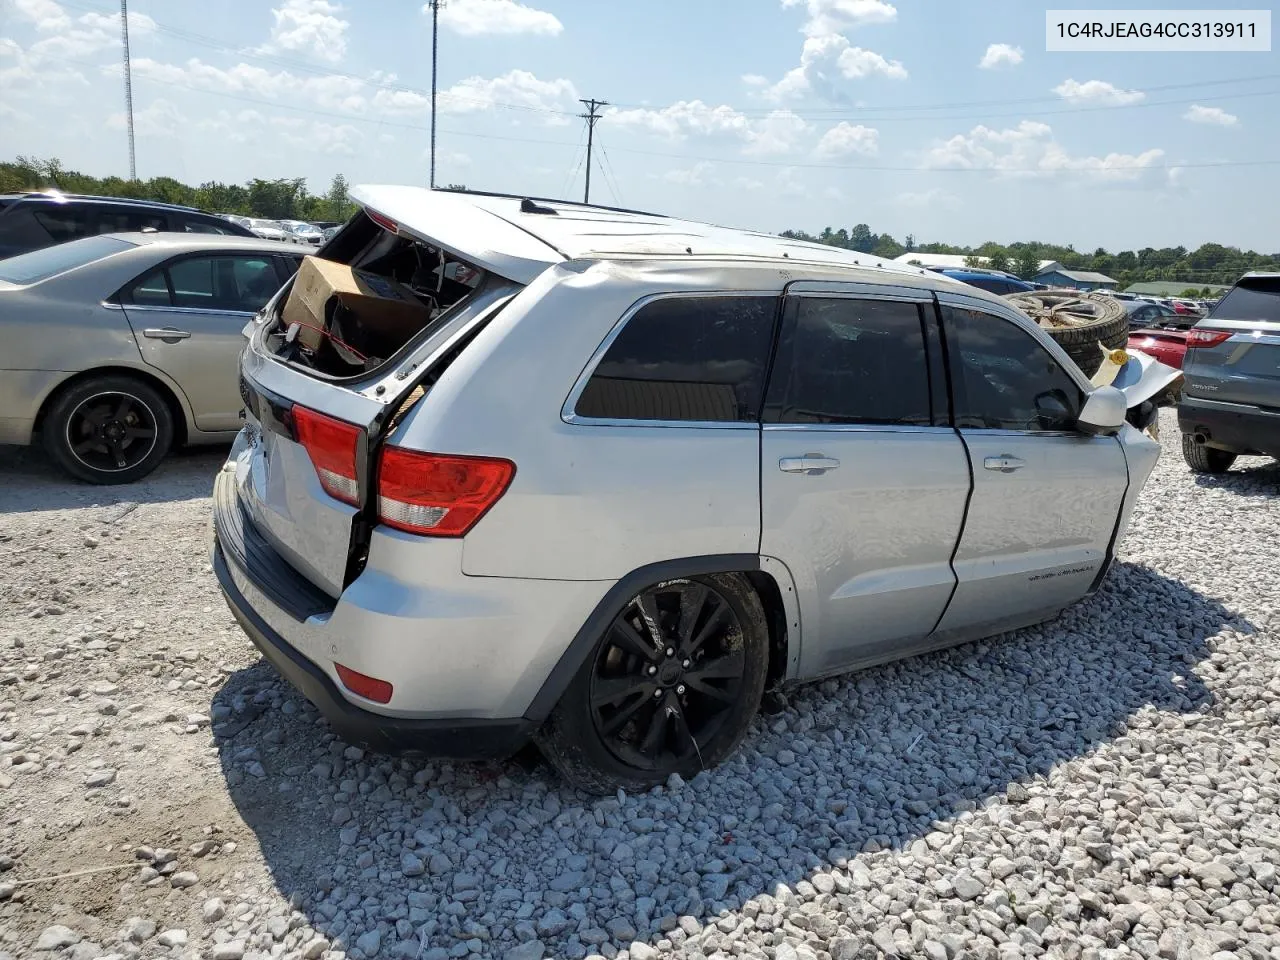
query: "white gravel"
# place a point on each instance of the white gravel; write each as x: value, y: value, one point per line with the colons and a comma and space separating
x: 1102, y: 786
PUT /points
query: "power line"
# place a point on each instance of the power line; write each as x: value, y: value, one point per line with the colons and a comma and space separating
x: 592, y: 119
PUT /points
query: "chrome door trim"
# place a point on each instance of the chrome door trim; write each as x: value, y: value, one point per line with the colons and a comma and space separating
x: 855, y: 290
x: 857, y: 428
x: 567, y: 413
x: 200, y: 311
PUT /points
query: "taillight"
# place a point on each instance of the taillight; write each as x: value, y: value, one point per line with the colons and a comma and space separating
x: 386, y: 223
x: 1206, y: 338
x: 438, y: 495
x: 331, y: 444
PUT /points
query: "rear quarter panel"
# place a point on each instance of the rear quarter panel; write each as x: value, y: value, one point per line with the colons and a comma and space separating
x: 588, y: 502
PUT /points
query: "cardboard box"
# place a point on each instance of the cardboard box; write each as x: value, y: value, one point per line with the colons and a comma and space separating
x: 378, y: 305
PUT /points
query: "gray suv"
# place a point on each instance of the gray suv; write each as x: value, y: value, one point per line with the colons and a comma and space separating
x: 1231, y: 399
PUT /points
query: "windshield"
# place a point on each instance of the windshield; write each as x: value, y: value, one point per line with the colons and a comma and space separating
x: 266, y: 224
x: 306, y: 228
x: 42, y: 264
x: 1253, y: 299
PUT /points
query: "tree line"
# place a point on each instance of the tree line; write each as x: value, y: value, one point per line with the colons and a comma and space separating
x: 271, y: 199
x: 1208, y: 263
x: 288, y: 199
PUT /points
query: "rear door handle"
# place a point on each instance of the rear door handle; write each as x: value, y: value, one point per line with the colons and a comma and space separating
x: 811, y: 464
x: 165, y: 333
x: 1004, y: 463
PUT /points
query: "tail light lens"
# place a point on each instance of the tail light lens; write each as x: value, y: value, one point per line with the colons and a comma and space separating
x: 1206, y: 338
x: 371, y: 688
x: 437, y: 495
x: 331, y: 444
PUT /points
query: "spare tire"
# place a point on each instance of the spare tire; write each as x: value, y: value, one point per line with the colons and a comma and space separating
x: 1079, y: 321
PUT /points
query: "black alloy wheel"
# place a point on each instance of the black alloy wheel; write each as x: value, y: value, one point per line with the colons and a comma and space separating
x: 671, y: 686
x: 671, y: 666
x: 109, y: 429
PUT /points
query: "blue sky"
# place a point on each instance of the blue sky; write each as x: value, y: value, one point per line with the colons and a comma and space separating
x: 923, y: 118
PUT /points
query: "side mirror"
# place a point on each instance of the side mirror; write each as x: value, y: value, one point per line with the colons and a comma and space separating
x: 1104, y: 411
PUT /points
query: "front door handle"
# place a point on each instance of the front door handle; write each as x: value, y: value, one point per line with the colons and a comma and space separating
x: 165, y: 333
x: 811, y: 464
x: 1005, y: 463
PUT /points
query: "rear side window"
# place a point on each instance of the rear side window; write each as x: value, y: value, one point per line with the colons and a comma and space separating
x: 1004, y: 379
x: 64, y: 222
x: 685, y: 359
x: 125, y: 220
x: 1253, y: 299
x: 151, y: 291
x: 205, y: 226
x: 41, y: 264
x: 851, y: 361
x: 241, y: 284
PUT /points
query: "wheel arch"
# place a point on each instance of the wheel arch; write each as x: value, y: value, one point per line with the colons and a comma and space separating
x: 170, y: 391
x: 762, y: 577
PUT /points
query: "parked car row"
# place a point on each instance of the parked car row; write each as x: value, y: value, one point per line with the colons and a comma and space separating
x: 295, y: 231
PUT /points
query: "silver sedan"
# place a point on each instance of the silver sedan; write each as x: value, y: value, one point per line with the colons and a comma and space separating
x: 119, y: 346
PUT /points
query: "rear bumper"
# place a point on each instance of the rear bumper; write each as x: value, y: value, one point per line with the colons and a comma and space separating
x: 467, y: 739
x: 1236, y: 427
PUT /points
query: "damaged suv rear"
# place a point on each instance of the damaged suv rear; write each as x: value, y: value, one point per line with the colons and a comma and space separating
x: 517, y: 469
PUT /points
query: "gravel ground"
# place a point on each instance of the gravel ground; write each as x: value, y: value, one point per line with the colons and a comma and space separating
x: 1102, y: 786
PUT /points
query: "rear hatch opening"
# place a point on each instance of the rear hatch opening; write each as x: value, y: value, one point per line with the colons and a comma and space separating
x: 346, y: 343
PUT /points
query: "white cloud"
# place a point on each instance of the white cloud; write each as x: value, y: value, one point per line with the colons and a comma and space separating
x: 747, y: 183
x: 90, y: 34
x: 1000, y: 55
x: 755, y: 80
x: 846, y: 139
x: 835, y: 16
x: 1214, y: 115
x: 691, y: 176
x: 1029, y: 149
x: 777, y: 133
x: 1097, y: 92
x: 308, y: 26
x: 790, y: 183
x: 330, y: 91
x: 824, y: 61
x: 473, y: 18
x: 933, y: 197
x: 46, y: 15
x: 833, y: 193
x: 519, y: 87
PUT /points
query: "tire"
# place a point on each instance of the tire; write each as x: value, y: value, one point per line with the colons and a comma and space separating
x: 1203, y: 459
x: 1078, y: 321
x: 725, y: 611
x: 108, y: 430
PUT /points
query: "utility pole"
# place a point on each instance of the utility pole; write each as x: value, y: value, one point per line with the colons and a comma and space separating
x: 128, y: 86
x: 435, y: 34
x: 591, y: 117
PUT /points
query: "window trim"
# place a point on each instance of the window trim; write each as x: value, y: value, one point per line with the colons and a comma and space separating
x: 936, y: 379
x: 955, y: 373
x: 567, y: 413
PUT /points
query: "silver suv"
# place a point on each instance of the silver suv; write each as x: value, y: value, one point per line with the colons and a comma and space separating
x: 1231, y: 398
x: 629, y: 472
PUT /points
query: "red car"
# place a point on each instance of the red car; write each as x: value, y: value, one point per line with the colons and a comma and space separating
x: 1158, y: 331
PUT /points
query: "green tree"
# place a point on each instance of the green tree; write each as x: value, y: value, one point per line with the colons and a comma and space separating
x: 276, y: 199
x: 1027, y: 265
x: 862, y: 239
x: 337, y: 201
x: 998, y: 261
x: 973, y: 260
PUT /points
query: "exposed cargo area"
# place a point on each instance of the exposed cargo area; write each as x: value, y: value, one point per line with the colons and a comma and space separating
x: 373, y: 291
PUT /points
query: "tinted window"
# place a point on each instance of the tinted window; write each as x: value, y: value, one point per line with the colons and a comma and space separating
x: 41, y: 264
x: 64, y: 223
x: 126, y: 220
x: 693, y: 358
x: 1004, y: 379
x: 151, y: 291
x: 1251, y: 300
x: 851, y: 361
x: 223, y: 283
x: 203, y: 226
x: 991, y: 286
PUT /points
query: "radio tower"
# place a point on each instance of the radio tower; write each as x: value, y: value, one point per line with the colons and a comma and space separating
x: 128, y: 86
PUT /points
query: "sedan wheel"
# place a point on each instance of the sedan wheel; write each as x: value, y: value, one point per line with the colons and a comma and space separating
x: 109, y: 430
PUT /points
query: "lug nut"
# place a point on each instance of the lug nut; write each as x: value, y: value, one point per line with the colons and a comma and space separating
x: 652, y: 671
x: 657, y: 693
x: 680, y: 689
x: 685, y: 664
x: 671, y: 652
